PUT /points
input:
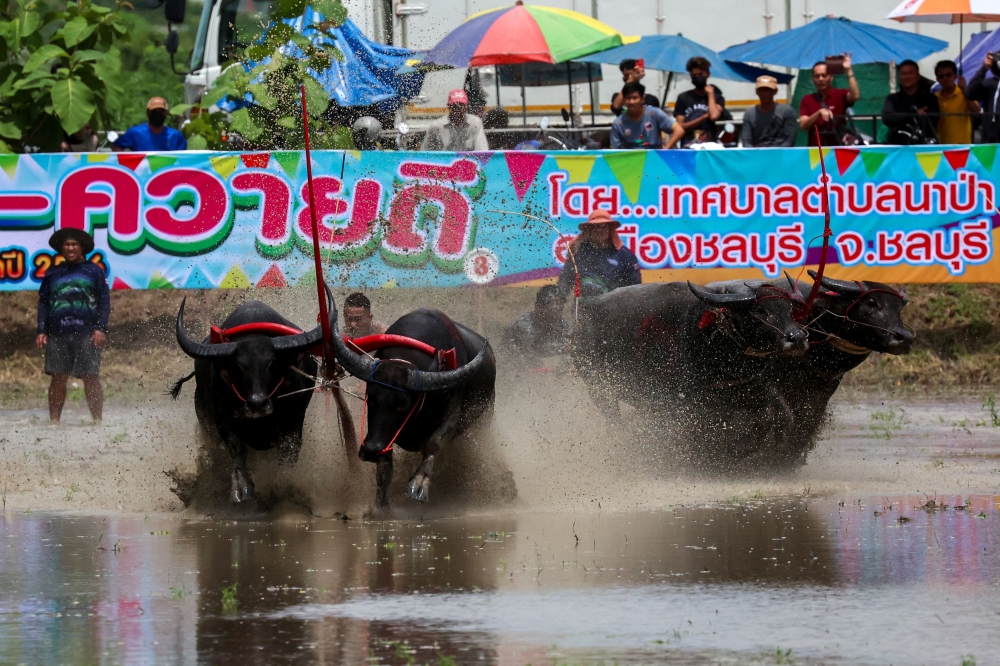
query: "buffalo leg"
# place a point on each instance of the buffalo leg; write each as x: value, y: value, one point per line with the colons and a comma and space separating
x: 242, y: 489
x: 420, y: 483
x: 383, y: 477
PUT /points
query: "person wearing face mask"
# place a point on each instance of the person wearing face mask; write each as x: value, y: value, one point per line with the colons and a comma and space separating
x: 697, y: 110
x: 986, y: 91
x: 153, y: 135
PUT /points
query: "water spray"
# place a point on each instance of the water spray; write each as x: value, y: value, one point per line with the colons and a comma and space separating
x: 569, y: 249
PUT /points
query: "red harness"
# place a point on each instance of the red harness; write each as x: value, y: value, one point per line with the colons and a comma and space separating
x: 446, y: 360
x: 220, y: 335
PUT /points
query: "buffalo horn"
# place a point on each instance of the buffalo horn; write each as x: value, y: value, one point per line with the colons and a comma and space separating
x: 844, y: 287
x: 426, y: 382
x: 299, y: 341
x: 743, y: 298
x: 197, y: 350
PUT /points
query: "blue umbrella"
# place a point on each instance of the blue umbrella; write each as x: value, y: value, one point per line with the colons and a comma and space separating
x: 981, y: 43
x: 802, y: 47
x: 670, y: 53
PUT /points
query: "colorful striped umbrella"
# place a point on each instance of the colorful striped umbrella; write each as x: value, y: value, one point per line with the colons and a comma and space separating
x: 520, y: 34
x: 946, y: 11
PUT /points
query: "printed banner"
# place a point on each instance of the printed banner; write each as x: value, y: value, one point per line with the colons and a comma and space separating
x: 392, y: 219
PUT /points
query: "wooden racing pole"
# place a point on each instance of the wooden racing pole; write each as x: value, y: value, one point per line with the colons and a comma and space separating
x: 814, y: 292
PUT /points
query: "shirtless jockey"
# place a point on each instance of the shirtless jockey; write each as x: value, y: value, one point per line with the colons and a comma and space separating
x: 358, y: 319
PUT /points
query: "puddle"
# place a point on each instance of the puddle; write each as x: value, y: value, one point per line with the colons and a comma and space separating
x: 727, y: 582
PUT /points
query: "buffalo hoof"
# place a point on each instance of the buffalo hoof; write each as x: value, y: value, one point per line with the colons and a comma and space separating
x: 417, y: 490
x: 242, y: 490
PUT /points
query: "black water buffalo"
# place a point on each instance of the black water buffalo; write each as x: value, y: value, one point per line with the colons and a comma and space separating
x: 414, y: 400
x: 847, y: 322
x: 688, y: 354
x: 247, y: 385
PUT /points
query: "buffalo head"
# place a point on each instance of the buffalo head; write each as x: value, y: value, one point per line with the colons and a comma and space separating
x: 869, y: 313
x: 253, y: 366
x: 759, y: 314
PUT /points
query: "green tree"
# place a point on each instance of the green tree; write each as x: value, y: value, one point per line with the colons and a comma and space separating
x: 273, y: 79
x: 58, y: 70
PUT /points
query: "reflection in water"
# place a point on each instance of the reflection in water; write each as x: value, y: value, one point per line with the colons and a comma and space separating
x: 680, y: 585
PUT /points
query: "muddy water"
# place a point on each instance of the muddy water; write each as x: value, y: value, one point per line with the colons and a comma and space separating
x: 725, y: 583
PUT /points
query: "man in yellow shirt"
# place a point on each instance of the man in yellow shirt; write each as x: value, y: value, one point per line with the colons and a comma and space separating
x: 953, y: 127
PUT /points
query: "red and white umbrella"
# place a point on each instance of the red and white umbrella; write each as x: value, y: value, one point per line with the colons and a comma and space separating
x: 946, y: 11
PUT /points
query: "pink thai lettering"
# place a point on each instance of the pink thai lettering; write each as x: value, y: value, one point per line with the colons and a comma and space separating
x: 689, y: 191
x: 652, y: 251
x: 966, y: 183
x: 606, y: 194
x: 681, y: 250
x: 701, y: 244
x: 329, y: 206
x: 748, y: 207
x: 767, y: 259
x: 890, y: 248
x: 334, y: 234
x: 576, y: 201
x: 629, y: 233
x: 912, y: 206
x: 714, y: 197
x: 276, y: 201
x: 918, y: 248
x: 211, y: 204
x: 560, y: 249
x: 791, y: 245
x: 18, y: 204
x: 976, y: 246
x: 865, y: 206
x: 786, y: 200
x: 734, y: 250
x: 453, y: 220
x: 889, y: 199
x: 850, y: 246
x: 555, y: 178
x: 460, y: 171
x: 100, y: 189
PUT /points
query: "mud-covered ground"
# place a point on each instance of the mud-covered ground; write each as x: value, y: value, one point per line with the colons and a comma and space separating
x: 551, y: 536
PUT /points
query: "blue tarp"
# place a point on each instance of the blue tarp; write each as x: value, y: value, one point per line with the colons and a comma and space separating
x: 367, y: 76
x: 981, y: 43
x: 670, y: 53
x: 802, y: 47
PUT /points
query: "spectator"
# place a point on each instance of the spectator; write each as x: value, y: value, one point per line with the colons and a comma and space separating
x: 827, y: 106
x: 769, y: 123
x: 73, y: 308
x: 82, y: 141
x: 358, y: 318
x: 912, y: 112
x: 632, y: 72
x: 602, y: 259
x: 697, y: 110
x: 954, y: 126
x: 459, y: 130
x: 153, y: 135
x: 985, y: 91
x: 541, y: 332
x: 641, y: 126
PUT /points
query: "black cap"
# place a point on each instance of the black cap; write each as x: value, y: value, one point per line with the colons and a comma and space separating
x: 85, y: 240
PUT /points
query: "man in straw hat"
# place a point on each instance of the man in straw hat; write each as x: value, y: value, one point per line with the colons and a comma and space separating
x: 73, y: 307
x: 770, y: 123
x: 601, y: 257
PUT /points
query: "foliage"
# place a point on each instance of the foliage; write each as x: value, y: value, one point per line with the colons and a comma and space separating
x: 272, y: 80
x: 57, y: 70
x: 205, y: 131
x: 229, y: 599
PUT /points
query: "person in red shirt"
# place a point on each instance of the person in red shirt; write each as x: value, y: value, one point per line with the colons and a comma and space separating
x: 827, y: 106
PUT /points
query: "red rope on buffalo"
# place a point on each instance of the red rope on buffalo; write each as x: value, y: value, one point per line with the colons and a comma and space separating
x: 814, y: 292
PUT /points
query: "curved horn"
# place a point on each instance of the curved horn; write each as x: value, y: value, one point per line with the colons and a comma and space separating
x: 710, y: 297
x: 197, y: 350
x: 299, y: 341
x: 425, y: 382
x: 839, y: 286
x: 358, y: 365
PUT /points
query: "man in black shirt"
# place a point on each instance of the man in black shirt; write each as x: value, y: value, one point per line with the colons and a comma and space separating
x: 632, y: 72
x: 697, y: 110
x: 986, y: 92
x: 912, y: 113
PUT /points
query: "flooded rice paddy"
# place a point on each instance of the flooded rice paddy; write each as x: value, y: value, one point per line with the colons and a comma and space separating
x: 883, y: 549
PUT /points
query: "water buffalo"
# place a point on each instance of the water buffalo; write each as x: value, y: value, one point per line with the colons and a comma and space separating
x: 848, y: 321
x: 417, y: 400
x: 246, y: 384
x: 688, y: 353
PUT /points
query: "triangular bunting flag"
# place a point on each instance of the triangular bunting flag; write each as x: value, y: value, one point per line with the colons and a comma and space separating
x: 813, y: 158
x: 224, y: 165
x: 308, y: 279
x: 389, y: 284
x: 986, y: 154
x: 845, y: 158
x: 288, y: 160
x: 356, y: 154
x: 235, y: 279
x: 482, y: 158
x: 9, y: 165
x: 255, y: 160
x: 131, y: 160
x: 523, y: 167
x: 272, y: 279
x: 92, y: 158
x: 872, y: 161
x: 198, y: 280
x: 577, y: 166
x: 117, y: 284
x: 957, y: 158
x: 159, y: 282
x: 157, y: 162
x: 628, y: 166
x: 929, y: 163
